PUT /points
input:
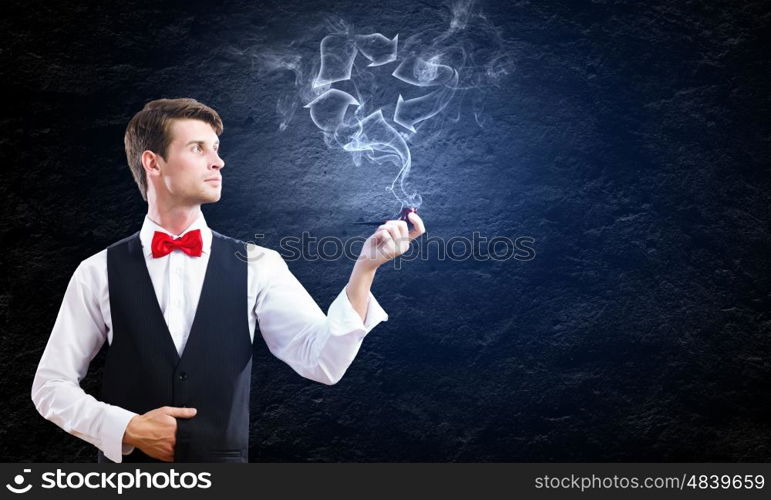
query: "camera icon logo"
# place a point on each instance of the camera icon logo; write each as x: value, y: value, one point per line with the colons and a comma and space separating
x: 18, y: 480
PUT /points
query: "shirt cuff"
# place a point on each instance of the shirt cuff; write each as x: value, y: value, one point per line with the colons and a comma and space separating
x: 344, y: 319
x: 116, y: 419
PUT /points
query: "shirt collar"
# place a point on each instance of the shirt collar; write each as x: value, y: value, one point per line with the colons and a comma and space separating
x: 149, y: 228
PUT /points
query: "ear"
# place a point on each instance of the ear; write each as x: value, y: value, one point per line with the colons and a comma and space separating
x: 150, y: 162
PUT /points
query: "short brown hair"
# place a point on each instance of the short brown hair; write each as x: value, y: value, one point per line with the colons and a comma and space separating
x: 150, y: 130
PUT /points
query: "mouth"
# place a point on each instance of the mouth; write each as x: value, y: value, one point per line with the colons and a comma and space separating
x: 214, y: 179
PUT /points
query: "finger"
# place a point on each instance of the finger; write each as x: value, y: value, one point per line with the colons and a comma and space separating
x: 181, y: 412
x: 164, y: 454
x: 383, y: 236
x: 403, y: 229
x: 418, y: 226
x: 395, y: 232
x: 379, y: 236
x: 399, y: 226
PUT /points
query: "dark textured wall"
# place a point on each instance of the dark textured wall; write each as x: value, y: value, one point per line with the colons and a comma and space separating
x: 631, y: 142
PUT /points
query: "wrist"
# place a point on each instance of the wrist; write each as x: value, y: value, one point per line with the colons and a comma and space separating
x: 366, y: 265
x: 129, y: 435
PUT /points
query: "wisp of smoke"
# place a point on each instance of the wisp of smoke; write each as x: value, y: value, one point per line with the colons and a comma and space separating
x: 466, y: 53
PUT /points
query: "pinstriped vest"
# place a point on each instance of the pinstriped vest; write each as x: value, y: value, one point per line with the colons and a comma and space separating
x: 143, y: 371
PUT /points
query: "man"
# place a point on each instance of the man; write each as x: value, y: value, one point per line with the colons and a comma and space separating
x: 179, y: 304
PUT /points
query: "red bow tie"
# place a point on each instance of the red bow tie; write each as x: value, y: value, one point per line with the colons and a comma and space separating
x: 191, y: 243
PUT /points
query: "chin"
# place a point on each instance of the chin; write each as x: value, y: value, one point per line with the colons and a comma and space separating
x: 211, y: 198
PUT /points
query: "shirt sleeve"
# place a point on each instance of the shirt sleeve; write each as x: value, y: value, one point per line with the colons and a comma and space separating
x: 78, y: 334
x: 317, y: 346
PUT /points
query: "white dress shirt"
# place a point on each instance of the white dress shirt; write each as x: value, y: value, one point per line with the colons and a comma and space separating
x: 317, y: 346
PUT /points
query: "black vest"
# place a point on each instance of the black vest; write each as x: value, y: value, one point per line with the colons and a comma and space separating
x: 143, y: 371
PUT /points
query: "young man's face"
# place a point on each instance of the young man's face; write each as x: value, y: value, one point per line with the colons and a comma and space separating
x: 190, y: 174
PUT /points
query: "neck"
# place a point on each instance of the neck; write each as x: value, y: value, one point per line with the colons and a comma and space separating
x: 174, y: 219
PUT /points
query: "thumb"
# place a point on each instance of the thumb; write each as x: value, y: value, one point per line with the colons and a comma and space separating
x: 181, y: 412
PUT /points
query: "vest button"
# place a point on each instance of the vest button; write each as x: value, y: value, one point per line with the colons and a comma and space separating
x: 182, y: 376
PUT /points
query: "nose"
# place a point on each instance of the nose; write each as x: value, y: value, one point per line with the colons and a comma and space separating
x: 217, y: 162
